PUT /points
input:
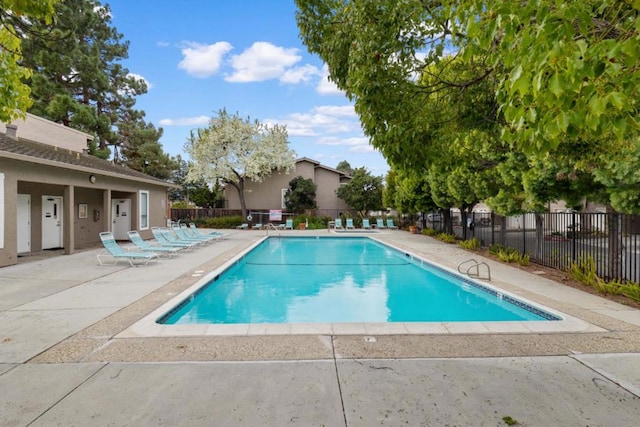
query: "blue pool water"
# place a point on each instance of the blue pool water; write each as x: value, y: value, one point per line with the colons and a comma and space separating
x: 331, y: 280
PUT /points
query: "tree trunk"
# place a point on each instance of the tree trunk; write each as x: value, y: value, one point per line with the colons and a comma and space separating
x: 448, y: 225
x: 239, y: 186
x: 539, y: 235
x: 614, y: 228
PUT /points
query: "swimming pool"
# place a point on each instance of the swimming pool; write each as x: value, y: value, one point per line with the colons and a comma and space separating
x: 342, y: 280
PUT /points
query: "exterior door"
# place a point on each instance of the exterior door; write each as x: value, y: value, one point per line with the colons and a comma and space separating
x: 24, y: 223
x: 121, y: 215
x: 51, y: 222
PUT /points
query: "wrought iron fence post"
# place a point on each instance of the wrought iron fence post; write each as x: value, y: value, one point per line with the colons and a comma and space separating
x: 573, y: 236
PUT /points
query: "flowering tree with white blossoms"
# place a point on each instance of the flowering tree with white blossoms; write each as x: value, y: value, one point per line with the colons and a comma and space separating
x: 232, y: 150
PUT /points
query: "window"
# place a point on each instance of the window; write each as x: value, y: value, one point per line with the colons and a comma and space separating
x: 283, y: 205
x: 144, y: 210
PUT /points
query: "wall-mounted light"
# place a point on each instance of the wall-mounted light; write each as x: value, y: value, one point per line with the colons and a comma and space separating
x: 92, y: 179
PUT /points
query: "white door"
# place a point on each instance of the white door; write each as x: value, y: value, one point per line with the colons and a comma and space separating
x: 51, y: 222
x: 121, y: 215
x: 24, y: 223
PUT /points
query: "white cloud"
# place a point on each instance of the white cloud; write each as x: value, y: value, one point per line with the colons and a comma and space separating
x: 359, y: 144
x: 186, y: 121
x: 262, y: 61
x: 321, y: 120
x: 299, y: 74
x: 203, y: 60
x: 325, y: 86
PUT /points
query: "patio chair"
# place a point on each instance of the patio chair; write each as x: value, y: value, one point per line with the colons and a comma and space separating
x: 338, y: 224
x: 117, y: 252
x: 187, y: 232
x: 244, y: 226
x: 349, y: 225
x: 288, y: 225
x: 199, y: 232
x: 380, y: 223
x: 145, y: 246
x: 257, y: 226
x: 365, y: 224
x: 165, y: 238
x: 390, y: 224
x: 181, y: 237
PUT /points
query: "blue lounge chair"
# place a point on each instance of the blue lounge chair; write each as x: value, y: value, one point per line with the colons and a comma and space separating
x: 188, y: 233
x: 257, y: 226
x: 197, y: 232
x: 117, y: 252
x: 380, y: 223
x: 145, y: 246
x: 365, y: 224
x: 390, y: 224
x: 165, y: 238
x: 288, y: 225
x: 350, y: 224
x: 244, y: 226
x: 338, y: 224
x: 180, y: 236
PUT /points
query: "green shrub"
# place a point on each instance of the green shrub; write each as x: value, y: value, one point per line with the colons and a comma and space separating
x: 472, y: 243
x: 314, y: 223
x: 584, y: 271
x: 495, y: 248
x: 429, y: 231
x: 509, y: 255
x: 180, y: 204
x: 222, y: 222
x: 447, y: 238
x: 631, y: 290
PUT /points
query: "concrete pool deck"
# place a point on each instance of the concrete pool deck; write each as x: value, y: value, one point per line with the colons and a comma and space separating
x: 70, y: 354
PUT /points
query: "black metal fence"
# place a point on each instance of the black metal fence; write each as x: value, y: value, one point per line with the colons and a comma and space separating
x: 559, y: 239
x: 554, y: 240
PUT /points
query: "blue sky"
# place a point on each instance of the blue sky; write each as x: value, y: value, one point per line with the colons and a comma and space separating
x: 198, y: 56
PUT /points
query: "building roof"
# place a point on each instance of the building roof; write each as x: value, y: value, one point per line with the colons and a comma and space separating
x: 50, y: 155
x: 317, y: 164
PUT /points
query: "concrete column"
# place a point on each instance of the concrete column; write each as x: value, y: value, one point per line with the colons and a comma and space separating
x: 68, y: 223
x: 107, y: 221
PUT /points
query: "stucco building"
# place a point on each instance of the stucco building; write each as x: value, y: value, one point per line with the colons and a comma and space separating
x: 269, y: 194
x: 54, y: 195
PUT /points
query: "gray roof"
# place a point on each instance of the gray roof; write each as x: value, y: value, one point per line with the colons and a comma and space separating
x: 36, y: 152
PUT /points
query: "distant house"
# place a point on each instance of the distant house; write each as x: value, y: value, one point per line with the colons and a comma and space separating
x: 269, y: 194
x: 53, y: 195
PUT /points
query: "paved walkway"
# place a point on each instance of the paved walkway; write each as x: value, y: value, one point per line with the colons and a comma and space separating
x: 66, y: 357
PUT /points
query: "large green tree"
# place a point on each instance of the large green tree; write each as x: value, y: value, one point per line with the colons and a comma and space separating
x: 16, y: 18
x: 142, y: 151
x: 363, y: 192
x: 232, y: 150
x: 565, y: 76
x: 78, y: 79
x: 300, y: 195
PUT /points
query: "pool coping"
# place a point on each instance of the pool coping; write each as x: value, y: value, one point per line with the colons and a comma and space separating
x: 148, y: 328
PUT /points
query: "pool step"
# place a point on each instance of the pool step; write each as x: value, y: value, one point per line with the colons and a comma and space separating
x: 473, y: 269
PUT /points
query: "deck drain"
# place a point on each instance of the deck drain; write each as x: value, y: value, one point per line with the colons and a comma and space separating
x: 370, y: 339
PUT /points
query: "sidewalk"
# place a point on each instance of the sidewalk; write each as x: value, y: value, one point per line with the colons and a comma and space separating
x: 62, y: 363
